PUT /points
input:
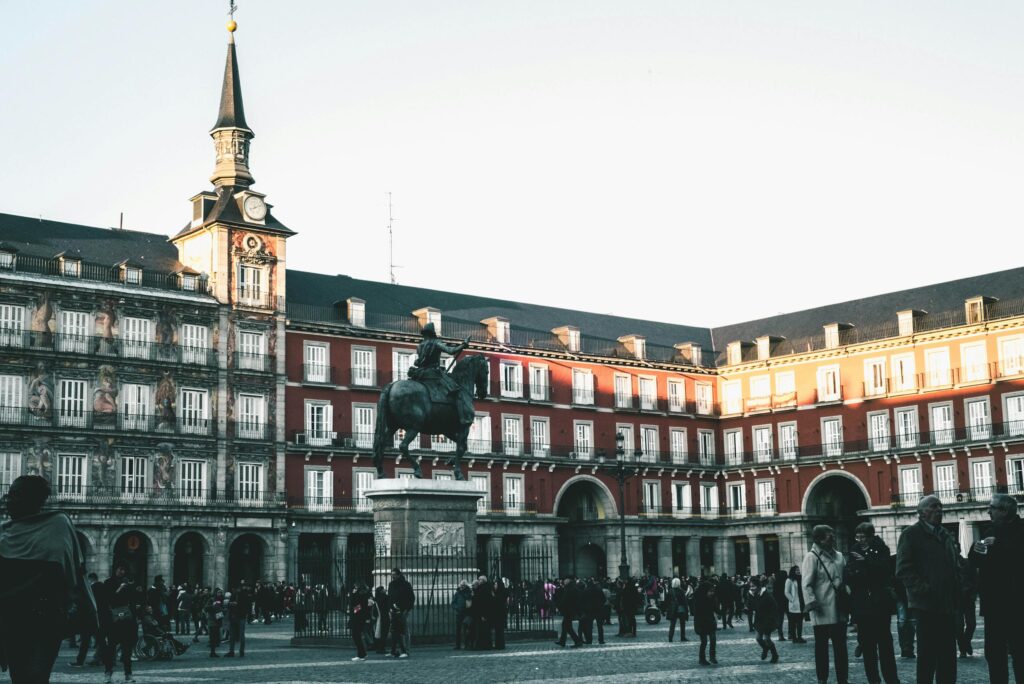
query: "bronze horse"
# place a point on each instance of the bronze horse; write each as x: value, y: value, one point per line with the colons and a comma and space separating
x: 405, y: 405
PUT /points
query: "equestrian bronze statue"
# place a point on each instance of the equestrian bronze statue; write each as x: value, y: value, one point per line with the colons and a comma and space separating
x: 431, y: 401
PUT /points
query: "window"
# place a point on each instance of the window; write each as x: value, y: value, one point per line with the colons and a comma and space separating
x: 250, y: 483
x: 194, y: 417
x: 733, y: 353
x: 444, y: 475
x: 978, y: 421
x: 539, y: 386
x: 738, y: 499
x: 878, y: 431
x: 1011, y: 355
x: 70, y: 267
x: 905, y: 320
x: 136, y: 334
x: 511, y: 379
x: 677, y: 444
x: 945, y: 482
x: 320, y: 490
x: 936, y: 362
x: 315, y: 367
x: 192, y: 481
x: 975, y: 310
x: 733, y: 440
x: 628, y: 442
x: 135, y: 407
x: 194, y: 343
x: 682, y: 499
x: 319, y: 423
x: 250, y: 350
x: 250, y: 284
x: 903, y: 370
x: 357, y: 313
x: 906, y: 428
x: 11, y: 407
x: 10, y: 468
x: 71, y: 474
x: 981, y: 479
x: 874, y: 378
x: 479, y: 439
x: 975, y: 362
x: 652, y: 496
x: 513, y: 494
x: 252, y: 418
x: 829, y: 388
x: 1014, y: 476
x: 785, y: 384
x: 540, y: 437
x: 362, y: 480
x: 760, y: 393
x: 584, y: 439
x: 704, y: 399
x: 74, y: 332
x: 676, y: 396
x: 911, y: 489
x: 512, y: 435
x: 364, y: 417
x: 831, y: 336
x: 942, y: 423
x: 401, y: 361
x: 72, y: 403
x: 1013, y: 414
x: 437, y: 443
x: 7, y: 260
x: 582, y: 386
x: 708, y: 498
x: 763, y: 443
x: 648, y: 394
x: 764, y: 490
x: 133, y: 476
x: 501, y: 331
x: 573, y: 340
x: 732, y: 397
x: 12, y: 325
x: 623, y: 392
x: 649, y: 443
x: 706, y: 446
x: 364, y: 366
x: 482, y: 483
x: 132, y: 276
x: 787, y: 441
x: 189, y: 283
x: 832, y: 436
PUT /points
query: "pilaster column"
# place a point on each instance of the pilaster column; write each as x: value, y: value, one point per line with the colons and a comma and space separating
x: 665, y: 557
x: 163, y: 556
x: 757, y: 564
x: 693, y: 555
x: 725, y: 556
x: 635, y: 553
x: 291, y: 571
x: 103, y: 554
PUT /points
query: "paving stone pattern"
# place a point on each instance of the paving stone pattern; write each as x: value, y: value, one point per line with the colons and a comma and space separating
x: 648, y: 659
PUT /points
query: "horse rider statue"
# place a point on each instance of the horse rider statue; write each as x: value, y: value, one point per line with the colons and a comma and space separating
x: 427, y: 369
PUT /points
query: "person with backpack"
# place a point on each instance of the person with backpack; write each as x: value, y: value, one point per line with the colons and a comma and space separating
x: 676, y: 609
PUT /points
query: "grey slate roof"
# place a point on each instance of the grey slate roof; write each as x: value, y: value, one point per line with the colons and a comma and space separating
x: 232, y: 113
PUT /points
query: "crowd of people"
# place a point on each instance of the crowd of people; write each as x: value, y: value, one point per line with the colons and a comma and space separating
x: 929, y: 585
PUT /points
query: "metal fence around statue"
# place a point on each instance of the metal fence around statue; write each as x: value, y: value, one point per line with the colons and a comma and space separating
x: 325, y: 581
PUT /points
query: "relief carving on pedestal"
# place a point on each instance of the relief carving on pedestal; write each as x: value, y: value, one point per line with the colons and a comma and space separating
x: 438, y: 536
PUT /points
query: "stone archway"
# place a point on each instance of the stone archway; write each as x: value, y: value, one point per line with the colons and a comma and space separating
x: 591, y: 561
x: 836, y: 499
x: 190, y: 551
x: 134, y: 549
x: 246, y: 558
x: 587, y: 505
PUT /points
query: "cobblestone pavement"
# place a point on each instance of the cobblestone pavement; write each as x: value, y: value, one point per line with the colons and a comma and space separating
x: 648, y: 659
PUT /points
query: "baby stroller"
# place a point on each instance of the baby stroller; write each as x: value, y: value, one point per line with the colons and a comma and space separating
x: 155, y: 643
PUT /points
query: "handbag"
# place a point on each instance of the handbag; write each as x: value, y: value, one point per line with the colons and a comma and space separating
x: 843, y: 603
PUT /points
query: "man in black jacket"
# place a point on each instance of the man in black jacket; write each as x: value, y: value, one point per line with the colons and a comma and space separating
x: 593, y: 608
x: 567, y: 600
x: 874, y: 600
x: 926, y: 564
x: 999, y: 559
x: 402, y: 599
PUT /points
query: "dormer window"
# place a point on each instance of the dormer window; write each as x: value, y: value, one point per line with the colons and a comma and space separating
x: 70, y: 267
x: 189, y: 282
x: 132, y: 275
x: 7, y: 260
x: 764, y: 348
x: 974, y: 308
x: 498, y: 328
x: 636, y: 345
x: 832, y: 336
x: 906, y: 322
x: 429, y: 314
x: 357, y: 312
x: 734, y: 353
x: 569, y: 336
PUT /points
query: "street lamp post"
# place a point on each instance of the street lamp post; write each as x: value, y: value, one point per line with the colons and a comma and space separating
x: 622, y: 474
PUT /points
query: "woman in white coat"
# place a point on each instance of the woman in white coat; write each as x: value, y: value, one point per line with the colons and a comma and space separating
x: 795, y: 606
x: 822, y: 571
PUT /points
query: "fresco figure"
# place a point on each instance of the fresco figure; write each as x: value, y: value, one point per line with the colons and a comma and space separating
x: 104, y: 397
x: 40, y: 394
x: 105, y: 341
x: 166, y: 398
x: 44, y: 323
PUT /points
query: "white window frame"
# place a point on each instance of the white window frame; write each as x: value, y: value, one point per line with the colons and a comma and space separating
x: 479, y: 439
x: 251, y: 415
x: 678, y: 445
x: 193, y: 480
x: 879, y: 431
x: 249, y: 483
x: 195, y: 343
x: 364, y: 420
x: 12, y: 398
x: 1011, y: 355
x: 732, y: 397
x: 709, y: 499
x: 133, y: 477
x: 1015, y: 476
x: 974, y: 362
x: 194, y: 416
x: 513, y: 497
x: 911, y: 494
x: 251, y: 349
x: 682, y: 498
x: 907, y: 439
x: 250, y: 283
x: 582, y: 387
x: 937, y: 367
x: 946, y: 494
x: 316, y: 361
x: 136, y: 406
x: 904, y: 372
x: 362, y: 480
x: 704, y: 397
x: 1013, y: 414
x: 832, y: 438
x: 789, y: 449
x: 785, y: 383
x: 319, y: 488
x: 73, y: 411
x: 540, y: 440
x: 364, y: 366
x: 512, y: 434
x: 765, y: 505
x: 762, y: 442
x: 136, y: 337
x: 975, y: 408
x: 623, y: 390
x: 830, y: 387
x: 732, y: 446
x: 628, y: 438
x: 323, y: 434
x: 482, y: 483
x: 650, y: 443
x: 676, y: 395
x: 72, y: 477
x: 982, y: 490
x: 740, y: 510
x: 10, y: 468
x: 651, y: 496
x: 648, y: 399
x: 945, y: 434
x: 583, y: 439
x: 74, y: 331
x: 511, y: 374
x: 12, y: 325
x: 401, y: 360
x: 706, y: 446
x: 540, y: 382
x: 875, y: 381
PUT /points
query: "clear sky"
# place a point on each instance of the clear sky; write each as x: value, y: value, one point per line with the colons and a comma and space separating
x: 692, y: 162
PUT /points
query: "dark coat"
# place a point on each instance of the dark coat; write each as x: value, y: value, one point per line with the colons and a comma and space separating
x: 705, y: 620
x: 926, y: 564
x: 766, y: 612
x: 676, y: 604
x: 567, y: 600
x: 400, y: 594
x: 999, y: 585
x: 871, y: 580
x: 593, y: 600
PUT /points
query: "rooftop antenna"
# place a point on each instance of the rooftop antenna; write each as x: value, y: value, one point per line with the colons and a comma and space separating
x: 391, y: 244
x: 121, y: 226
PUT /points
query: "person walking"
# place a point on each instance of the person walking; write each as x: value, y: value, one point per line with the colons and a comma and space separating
x: 795, y: 606
x: 215, y: 620
x: 630, y: 601
x: 765, y: 618
x: 236, y: 607
x: 926, y: 564
x: 401, y: 599
x: 43, y: 582
x: 594, y: 600
x: 705, y: 621
x: 676, y: 609
x: 999, y: 559
x: 380, y: 614
x: 873, y: 595
x: 906, y: 625
x: 567, y: 602
x: 119, y: 624
x: 499, y: 612
x: 358, y: 614
x: 822, y: 573
x: 778, y: 588
x: 183, y: 615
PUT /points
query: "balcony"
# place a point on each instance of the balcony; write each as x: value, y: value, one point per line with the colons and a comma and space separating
x: 829, y: 396
x: 317, y: 374
x: 936, y: 379
x: 682, y: 512
x: 540, y: 392
x: 367, y: 378
x: 107, y: 347
x: 508, y: 390
x: 582, y: 397
x: 759, y: 404
x: 90, y: 420
x: 739, y: 512
x: 251, y: 429
x: 781, y: 402
x: 875, y: 390
x: 22, y: 263
x: 254, y: 298
x: 765, y: 509
x: 98, y: 495
x: 625, y: 402
x: 253, y: 362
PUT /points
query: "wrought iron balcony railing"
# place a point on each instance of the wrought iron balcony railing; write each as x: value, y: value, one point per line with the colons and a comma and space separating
x: 253, y: 362
x: 107, y: 347
x: 182, y: 424
x: 70, y: 491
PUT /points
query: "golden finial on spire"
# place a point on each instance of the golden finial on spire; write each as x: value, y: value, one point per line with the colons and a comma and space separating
x: 232, y: 25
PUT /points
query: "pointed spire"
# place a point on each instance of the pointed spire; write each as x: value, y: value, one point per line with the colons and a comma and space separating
x: 232, y: 113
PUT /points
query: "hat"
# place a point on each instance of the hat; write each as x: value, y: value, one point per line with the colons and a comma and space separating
x: 428, y: 330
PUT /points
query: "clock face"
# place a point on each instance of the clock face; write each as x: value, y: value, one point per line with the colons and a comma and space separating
x: 255, y: 207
